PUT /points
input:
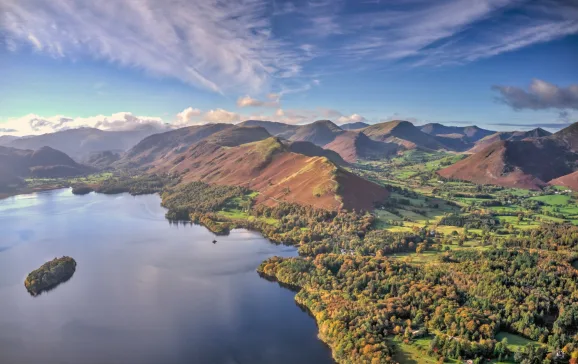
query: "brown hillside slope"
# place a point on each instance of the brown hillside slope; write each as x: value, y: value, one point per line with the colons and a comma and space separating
x: 273, y: 127
x: 402, y: 133
x: 567, y: 137
x: 524, y: 164
x: 569, y: 180
x: 166, y: 145
x: 354, y: 145
x: 237, y: 135
x: 278, y: 174
x: 312, y: 150
x: 508, y: 135
x: 320, y: 133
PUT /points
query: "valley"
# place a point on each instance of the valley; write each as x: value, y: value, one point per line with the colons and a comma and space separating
x: 289, y: 181
x: 402, y: 236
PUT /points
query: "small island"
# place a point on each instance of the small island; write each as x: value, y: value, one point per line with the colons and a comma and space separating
x: 50, y: 274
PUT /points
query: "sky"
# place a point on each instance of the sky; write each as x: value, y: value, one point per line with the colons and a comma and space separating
x: 498, y: 64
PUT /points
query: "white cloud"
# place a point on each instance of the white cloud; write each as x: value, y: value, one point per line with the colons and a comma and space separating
x: 217, y: 45
x: 353, y: 118
x: 32, y: 124
x: 35, y: 42
x: 294, y: 116
x: 187, y: 116
x: 221, y: 116
x: 248, y: 101
x: 330, y: 113
x: 339, y: 118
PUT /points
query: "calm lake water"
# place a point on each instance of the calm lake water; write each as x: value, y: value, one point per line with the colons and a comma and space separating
x: 144, y: 291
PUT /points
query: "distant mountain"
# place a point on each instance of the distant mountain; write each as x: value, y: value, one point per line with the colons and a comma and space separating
x: 508, y: 135
x: 312, y: 150
x: 42, y: 163
x: 81, y: 143
x: 467, y: 133
x: 567, y: 137
x: 320, y: 132
x: 274, y: 128
x: 355, y: 145
x: 7, y: 139
x: 528, y: 163
x: 569, y: 180
x: 102, y: 160
x: 237, y: 135
x: 404, y: 134
x: 354, y: 126
x: 279, y: 174
x: 164, y: 146
x: 537, y: 133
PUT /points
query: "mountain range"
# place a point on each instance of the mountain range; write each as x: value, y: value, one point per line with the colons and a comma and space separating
x: 45, y: 162
x: 508, y: 135
x: 280, y: 169
x: 281, y: 160
x: 81, y: 143
x: 530, y: 162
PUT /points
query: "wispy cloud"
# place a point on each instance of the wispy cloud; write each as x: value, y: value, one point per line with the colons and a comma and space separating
x: 273, y: 100
x: 217, y: 45
x: 540, y: 95
x: 251, y: 46
x: 424, y: 33
x: 7, y: 130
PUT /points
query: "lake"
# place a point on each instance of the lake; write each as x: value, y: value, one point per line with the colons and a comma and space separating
x: 144, y: 291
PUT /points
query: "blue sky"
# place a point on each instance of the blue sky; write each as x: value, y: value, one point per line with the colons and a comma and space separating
x: 500, y: 64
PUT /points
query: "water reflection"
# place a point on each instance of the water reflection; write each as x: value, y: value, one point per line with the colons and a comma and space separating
x: 144, y: 291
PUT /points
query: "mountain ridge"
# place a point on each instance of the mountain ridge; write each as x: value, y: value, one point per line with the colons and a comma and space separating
x: 279, y: 174
x: 45, y: 162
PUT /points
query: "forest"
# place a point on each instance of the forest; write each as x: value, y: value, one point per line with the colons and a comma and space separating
x: 485, y: 277
x: 360, y: 293
x: 463, y: 301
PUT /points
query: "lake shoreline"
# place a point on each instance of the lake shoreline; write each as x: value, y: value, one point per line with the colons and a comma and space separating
x: 31, y: 190
x: 59, y: 212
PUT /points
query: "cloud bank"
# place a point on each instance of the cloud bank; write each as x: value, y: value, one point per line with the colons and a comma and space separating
x: 540, y: 95
x: 32, y: 124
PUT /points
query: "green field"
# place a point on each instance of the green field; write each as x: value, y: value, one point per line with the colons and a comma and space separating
x: 515, y: 342
x: 416, y: 352
x: 554, y: 200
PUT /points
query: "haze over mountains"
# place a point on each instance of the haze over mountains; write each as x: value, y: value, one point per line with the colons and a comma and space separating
x: 468, y: 133
x: 81, y: 143
x: 45, y: 162
x: 282, y: 161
